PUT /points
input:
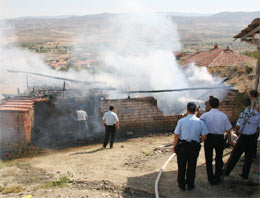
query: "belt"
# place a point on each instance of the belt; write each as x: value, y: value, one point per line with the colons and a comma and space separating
x: 215, y: 134
x: 248, y: 135
x: 185, y: 141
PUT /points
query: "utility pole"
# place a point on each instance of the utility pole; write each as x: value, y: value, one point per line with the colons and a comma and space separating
x: 257, y: 70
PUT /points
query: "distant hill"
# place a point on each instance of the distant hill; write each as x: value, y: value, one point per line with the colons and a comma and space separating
x: 220, y: 27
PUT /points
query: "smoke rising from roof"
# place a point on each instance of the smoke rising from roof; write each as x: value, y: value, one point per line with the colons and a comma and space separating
x: 140, y: 57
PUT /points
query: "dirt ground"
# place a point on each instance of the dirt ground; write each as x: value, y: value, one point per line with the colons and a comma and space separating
x: 128, y: 170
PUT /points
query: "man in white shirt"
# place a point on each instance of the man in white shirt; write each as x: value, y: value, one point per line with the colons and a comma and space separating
x: 188, y: 134
x: 111, y: 122
x: 82, y: 118
x: 247, y: 126
x: 217, y: 124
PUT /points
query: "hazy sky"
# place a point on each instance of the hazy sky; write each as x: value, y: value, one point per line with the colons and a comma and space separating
x: 17, y: 8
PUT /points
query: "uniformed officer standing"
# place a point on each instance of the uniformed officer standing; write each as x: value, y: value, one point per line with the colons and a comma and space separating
x: 111, y: 122
x: 188, y: 134
x: 217, y: 123
x: 247, y: 126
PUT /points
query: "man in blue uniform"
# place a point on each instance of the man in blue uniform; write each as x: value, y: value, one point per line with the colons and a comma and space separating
x: 188, y: 134
x: 217, y: 123
x: 247, y: 126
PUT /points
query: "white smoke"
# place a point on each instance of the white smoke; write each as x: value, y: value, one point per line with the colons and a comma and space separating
x: 140, y: 57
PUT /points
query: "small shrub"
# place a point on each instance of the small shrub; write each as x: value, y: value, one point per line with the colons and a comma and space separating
x: 6, y: 163
x: 62, y: 182
x: 23, y: 150
x: 249, y: 70
x: 147, y: 153
x: 253, y: 54
x: 10, y: 189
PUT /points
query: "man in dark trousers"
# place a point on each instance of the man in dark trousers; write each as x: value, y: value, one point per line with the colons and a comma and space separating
x: 217, y: 124
x: 188, y: 134
x: 111, y: 122
x: 247, y: 126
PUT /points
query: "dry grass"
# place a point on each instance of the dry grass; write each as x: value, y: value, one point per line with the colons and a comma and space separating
x: 6, y: 163
x: 60, y: 183
x: 10, y: 189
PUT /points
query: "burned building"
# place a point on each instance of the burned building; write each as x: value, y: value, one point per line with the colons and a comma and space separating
x: 47, y: 116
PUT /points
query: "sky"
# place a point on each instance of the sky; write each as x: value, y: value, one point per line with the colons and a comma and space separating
x: 20, y: 8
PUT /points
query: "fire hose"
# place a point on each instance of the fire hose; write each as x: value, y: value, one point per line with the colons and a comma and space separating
x: 160, y: 173
x: 164, y: 166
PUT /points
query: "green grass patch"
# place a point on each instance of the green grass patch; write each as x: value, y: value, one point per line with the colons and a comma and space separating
x: 10, y: 189
x: 147, y: 153
x: 60, y: 183
x: 24, y: 150
x: 6, y: 163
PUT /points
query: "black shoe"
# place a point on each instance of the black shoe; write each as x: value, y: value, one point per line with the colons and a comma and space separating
x: 191, y: 187
x: 226, y: 174
x: 244, y: 177
x: 217, y: 181
x: 182, y: 187
x: 211, y: 182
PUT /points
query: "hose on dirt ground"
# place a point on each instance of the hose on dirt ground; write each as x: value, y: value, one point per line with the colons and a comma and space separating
x: 160, y: 173
x: 164, y: 166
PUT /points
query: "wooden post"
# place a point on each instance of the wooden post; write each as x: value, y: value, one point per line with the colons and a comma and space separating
x: 257, y: 70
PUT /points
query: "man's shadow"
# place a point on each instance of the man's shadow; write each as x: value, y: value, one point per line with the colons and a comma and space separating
x: 88, y: 152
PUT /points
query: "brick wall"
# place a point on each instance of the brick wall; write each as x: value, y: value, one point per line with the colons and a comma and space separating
x: 230, y: 106
x: 28, y: 124
x: 12, y: 129
x: 140, y: 114
x: 143, y: 115
x: 15, y: 126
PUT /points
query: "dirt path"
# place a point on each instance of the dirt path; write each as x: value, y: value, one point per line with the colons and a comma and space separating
x: 127, y: 170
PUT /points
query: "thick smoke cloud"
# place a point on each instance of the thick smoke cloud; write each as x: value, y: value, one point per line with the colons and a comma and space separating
x: 140, y: 57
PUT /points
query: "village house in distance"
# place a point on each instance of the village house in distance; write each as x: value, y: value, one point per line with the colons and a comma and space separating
x: 214, y: 59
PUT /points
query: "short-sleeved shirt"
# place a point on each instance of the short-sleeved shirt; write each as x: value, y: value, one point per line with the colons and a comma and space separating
x: 81, y: 115
x: 216, y: 121
x: 249, y: 121
x: 110, y: 118
x: 190, y: 128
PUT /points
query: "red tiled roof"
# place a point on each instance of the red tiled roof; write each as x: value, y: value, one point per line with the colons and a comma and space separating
x: 81, y: 62
x: 215, y: 57
x: 19, y: 109
x: 20, y: 105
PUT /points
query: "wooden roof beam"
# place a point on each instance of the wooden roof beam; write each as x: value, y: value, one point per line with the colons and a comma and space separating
x: 251, y: 32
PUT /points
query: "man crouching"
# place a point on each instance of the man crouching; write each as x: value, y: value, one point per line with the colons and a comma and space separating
x: 188, y: 134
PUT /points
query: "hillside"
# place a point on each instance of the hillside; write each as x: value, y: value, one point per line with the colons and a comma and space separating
x: 193, y: 30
